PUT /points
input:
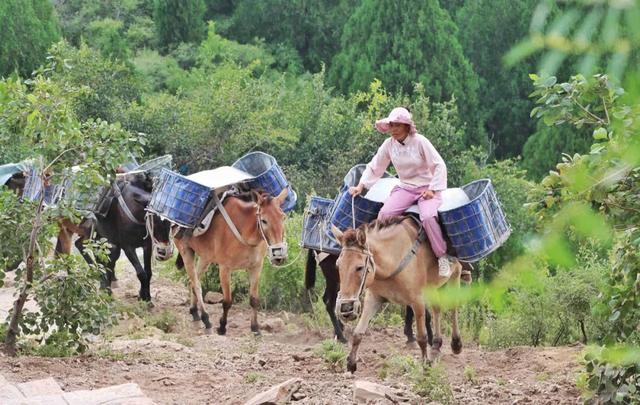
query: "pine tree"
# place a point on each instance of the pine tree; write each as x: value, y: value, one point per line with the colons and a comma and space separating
x: 403, y: 42
x: 489, y: 28
x: 179, y: 21
x: 28, y: 28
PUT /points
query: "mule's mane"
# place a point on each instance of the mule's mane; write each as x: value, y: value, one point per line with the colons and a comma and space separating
x: 387, y: 222
x: 249, y: 196
x: 352, y: 237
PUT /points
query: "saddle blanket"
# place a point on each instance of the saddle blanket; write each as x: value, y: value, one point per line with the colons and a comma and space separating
x: 220, y: 177
x: 451, y: 197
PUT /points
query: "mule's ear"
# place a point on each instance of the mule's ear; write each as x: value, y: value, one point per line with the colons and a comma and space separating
x: 283, y: 194
x: 141, y: 199
x: 337, y: 233
x: 361, y: 236
x: 257, y: 197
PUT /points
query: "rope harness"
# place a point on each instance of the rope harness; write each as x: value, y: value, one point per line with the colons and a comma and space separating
x: 275, y: 251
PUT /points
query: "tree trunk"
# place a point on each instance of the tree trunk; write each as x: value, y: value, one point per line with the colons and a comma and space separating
x: 18, y: 306
x: 584, y: 332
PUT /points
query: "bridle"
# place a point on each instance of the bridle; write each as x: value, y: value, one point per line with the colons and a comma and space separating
x: 276, y: 250
x: 161, y: 253
x: 369, y: 267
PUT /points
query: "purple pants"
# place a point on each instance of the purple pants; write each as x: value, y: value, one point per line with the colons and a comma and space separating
x: 401, y: 199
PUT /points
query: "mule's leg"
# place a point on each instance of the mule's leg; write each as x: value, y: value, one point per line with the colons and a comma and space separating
x: 456, y: 340
x: 146, y: 288
x: 63, y: 244
x: 331, y: 295
x: 225, y: 283
x: 408, y: 325
x: 254, y: 300
x: 200, y: 268
x: 437, y: 340
x: 140, y: 273
x: 188, y: 259
x: 421, y: 327
x: 371, y: 306
x: 427, y: 322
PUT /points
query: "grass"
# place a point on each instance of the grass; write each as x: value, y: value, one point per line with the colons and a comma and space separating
x: 249, y: 345
x: 166, y: 321
x: 252, y: 377
x: 333, y: 353
x: 470, y: 374
x: 430, y: 383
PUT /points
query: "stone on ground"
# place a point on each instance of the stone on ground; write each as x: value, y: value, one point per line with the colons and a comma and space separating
x: 278, y: 394
x: 366, y: 391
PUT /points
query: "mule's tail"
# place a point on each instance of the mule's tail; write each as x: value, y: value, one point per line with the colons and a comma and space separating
x: 179, y: 262
x: 310, y: 270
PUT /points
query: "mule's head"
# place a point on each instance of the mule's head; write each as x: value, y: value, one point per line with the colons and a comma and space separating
x: 270, y: 222
x: 354, y: 263
x: 137, y: 196
x: 16, y: 183
x: 160, y: 230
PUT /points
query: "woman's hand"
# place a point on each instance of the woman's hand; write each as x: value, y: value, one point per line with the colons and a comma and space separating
x: 357, y: 190
x: 428, y: 194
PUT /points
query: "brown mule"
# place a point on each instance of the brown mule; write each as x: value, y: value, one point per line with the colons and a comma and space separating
x: 368, y: 261
x: 260, y: 223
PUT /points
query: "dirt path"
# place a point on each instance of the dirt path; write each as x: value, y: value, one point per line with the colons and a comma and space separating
x: 190, y: 367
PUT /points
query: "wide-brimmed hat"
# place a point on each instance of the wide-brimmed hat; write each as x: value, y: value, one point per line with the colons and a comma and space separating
x: 400, y: 115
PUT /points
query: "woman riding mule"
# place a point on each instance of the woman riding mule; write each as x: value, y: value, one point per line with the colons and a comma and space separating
x: 239, y: 237
x: 422, y: 173
x: 369, y: 262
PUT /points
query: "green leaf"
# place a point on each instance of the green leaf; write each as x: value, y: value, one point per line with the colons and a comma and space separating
x: 600, y: 134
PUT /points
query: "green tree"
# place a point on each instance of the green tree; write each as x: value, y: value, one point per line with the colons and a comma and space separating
x: 544, y: 149
x: 179, y: 21
x: 109, y: 85
x: 490, y: 29
x: 403, y: 43
x: 310, y: 27
x: 28, y: 27
x: 38, y: 119
x: 107, y: 36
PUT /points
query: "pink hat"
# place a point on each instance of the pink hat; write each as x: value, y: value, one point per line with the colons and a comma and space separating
x: 398, y: 114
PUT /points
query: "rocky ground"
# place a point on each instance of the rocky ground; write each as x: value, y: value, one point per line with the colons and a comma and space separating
x: 187, y: 366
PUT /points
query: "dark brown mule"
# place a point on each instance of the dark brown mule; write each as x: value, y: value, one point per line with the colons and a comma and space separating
x: 260, y: 223
x: 368, y: 262
x: 126, y: 226
x: 332, y: 286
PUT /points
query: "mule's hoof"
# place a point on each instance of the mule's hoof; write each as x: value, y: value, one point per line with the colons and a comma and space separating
x: 411, y: 339
x: 221, y: 331
x: 341, y: 339
x: 256, y: 332
x: 456, y: 345
x: 351, y: 367
x: 195, y: 315
x: 208, y: 331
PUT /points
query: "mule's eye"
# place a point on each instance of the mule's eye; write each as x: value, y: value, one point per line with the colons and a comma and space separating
x: 263, y: 222
x: 359, y: 268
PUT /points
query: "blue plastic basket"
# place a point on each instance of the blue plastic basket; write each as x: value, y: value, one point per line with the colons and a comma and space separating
x: 315, y: 225
x: 267, y: 176
x: 343, y: 213
x: 479, y: 227
x: 178, y: 199
x: 33, y: 187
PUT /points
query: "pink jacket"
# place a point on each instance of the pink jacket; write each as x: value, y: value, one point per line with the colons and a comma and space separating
x: 417, y: 162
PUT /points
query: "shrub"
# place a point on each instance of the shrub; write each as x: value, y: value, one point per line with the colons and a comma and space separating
x: 333, y: 353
